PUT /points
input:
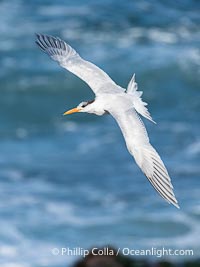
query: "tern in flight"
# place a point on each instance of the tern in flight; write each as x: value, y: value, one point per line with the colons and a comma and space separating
x: 125, y: 105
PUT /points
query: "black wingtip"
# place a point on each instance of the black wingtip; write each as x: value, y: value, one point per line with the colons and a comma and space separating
x: 37, y: 35
x: 38, y: 43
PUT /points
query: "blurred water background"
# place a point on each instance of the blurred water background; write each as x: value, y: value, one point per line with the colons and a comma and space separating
x: 69, y: 181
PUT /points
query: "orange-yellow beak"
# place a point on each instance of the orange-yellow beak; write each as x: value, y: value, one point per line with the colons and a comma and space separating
x: 73, y: 110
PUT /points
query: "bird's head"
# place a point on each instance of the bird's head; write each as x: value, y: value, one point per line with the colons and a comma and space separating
x: 82, y: 107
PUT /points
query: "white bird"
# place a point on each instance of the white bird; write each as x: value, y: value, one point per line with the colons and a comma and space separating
x: 124, y: 105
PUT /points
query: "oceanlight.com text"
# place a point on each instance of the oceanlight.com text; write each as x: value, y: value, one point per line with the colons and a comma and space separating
x: 106, y: 251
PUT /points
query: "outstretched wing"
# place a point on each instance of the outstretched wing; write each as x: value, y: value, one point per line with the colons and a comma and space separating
x: 145, y: 155
x: 139, y: 105
x: 69, y: 59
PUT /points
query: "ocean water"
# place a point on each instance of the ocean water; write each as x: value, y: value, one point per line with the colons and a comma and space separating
x: 69, y: 181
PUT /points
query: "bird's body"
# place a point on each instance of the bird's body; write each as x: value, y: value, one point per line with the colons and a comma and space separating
x: 124, y: 105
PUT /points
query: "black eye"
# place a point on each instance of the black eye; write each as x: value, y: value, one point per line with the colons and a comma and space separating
x: 84, y: 104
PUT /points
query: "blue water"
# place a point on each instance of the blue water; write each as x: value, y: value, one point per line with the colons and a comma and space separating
x: 69, y: 181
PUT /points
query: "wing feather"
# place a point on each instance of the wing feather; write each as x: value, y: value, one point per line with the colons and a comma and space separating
x: 69, y: 59
x: 145, y: 155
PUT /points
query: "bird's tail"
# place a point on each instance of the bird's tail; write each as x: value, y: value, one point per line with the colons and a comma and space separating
x: 136, y: 96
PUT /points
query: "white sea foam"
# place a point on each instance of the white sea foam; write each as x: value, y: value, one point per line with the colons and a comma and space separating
x: 68, y: 126
x: 12, y: 173
x: 21, y: 133
x: 60, y: 10
x: 194, y: 148
x: 44, y: 202
x: 162, y: 36
x: 67, y: 213
x: 8, y: 251
x: 14, y: 264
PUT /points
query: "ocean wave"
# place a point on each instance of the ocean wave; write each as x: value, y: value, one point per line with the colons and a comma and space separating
x: 62, y: 10
x: 194, y: 148
x: 68, y: 178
